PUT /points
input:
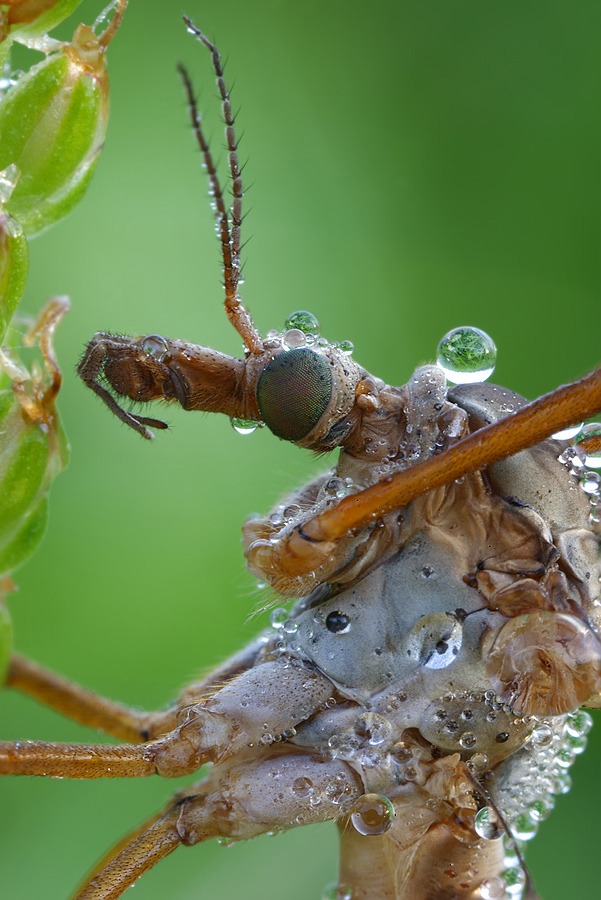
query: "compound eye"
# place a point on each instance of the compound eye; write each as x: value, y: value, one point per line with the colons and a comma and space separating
x: 293, y: 392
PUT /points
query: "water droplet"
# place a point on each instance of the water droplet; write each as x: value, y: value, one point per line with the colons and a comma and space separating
x: 524, y: 827
x: 589, y: 441
x: 568, y: 433
x: 435, y: 640
x: 542, y: 808
x: 565, y: 757
x: 302, y: 787
x: 225, y: 842
x: 492, y: 889
x: 579, y: 723
x: 374, y: 727
x: 468, y: 740
x: 487, y: 824
x: 337, y: 892
x: 478, y: 763
x: 466, y: 355
x: 373, y: 814
x: 278, y: 618
x: 337, y: 791
x: 303, y: 321
x: 542, y: 735
x: 561, y: 783
x: 578, y: 744
x: 590, y: 482
x: 336, y: 487
x: 156, y: 346
x: 347, y: 347
x: 515, y: 879
x: 401, y: 752
x: 244, y: 426
x: 344, y: 746
x: 294, y: 338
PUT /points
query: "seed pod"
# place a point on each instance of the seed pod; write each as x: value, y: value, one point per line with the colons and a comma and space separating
x: 14, y: 257
x: 30, y: 18
x: 33, y: 450
x: 53, y: 124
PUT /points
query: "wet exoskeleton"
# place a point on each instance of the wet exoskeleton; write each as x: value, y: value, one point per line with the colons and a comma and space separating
x: 423, y: 692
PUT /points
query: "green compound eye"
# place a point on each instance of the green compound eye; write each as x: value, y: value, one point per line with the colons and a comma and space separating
x: 293, y: 392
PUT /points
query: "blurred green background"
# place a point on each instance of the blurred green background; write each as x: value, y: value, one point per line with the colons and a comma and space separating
x: 412, y: 166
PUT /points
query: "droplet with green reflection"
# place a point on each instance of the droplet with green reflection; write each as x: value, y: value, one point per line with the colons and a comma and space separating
x: 467, y: 355
x: 304, y: 320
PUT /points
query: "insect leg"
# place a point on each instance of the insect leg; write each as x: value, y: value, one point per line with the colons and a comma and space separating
x: 78, y: 760
x: 270, y: 698
x: 528, y: 426
x: 136, y: 858
x: 251, y: 799
x: 144, y: 826
x: 113, y: 718
x: 85, y: 706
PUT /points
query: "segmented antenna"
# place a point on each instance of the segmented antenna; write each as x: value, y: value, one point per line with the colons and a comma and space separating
x: 229, y: 235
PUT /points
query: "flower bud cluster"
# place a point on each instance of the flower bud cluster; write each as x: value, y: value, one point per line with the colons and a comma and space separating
x: 53, y: 122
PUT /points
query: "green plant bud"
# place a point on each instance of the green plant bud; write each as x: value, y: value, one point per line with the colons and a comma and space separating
x: 33, y: 449
x: 14, y: 255
x: 30, y: 18
x: 53, y: 124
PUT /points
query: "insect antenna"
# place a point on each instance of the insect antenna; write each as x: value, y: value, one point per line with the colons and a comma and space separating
x: 229, y: 232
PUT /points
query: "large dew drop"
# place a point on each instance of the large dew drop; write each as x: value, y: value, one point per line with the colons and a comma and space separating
x: 373, y: 814
x: 435, y: 640
x: 303, y: 320
x: 156, y: 346
x: 487, y: 824
x: 244, y: 426
x: 466, y: 355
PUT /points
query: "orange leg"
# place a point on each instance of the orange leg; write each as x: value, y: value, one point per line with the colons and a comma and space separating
x: 209, y: 730
x: 251, y: 799
x: 533, y: 423
x: 77, y: 760
x: 84, y: 706
x: 144, y: 852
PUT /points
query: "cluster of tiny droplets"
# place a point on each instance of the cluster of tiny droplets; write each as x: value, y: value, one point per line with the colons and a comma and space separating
x: 581, y: 466
x: 285, y: 629
x: 552, y: 747
x: 301, y: 329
